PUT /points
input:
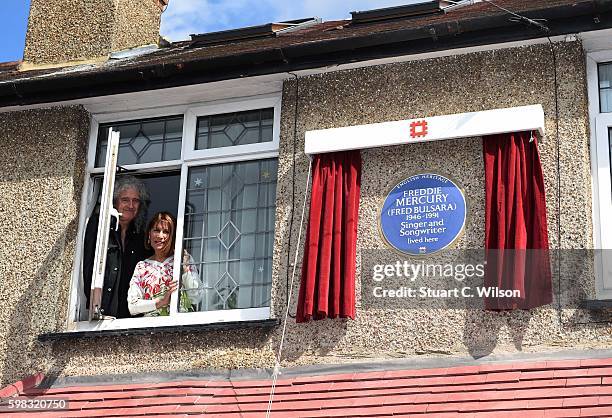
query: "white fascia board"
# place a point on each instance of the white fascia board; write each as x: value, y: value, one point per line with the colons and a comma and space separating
x: 175, y: 99
x: 435, y: 128
x: 250, y: 86
x: 594, y: 41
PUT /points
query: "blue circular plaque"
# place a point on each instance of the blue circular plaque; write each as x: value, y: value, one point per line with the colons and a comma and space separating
x: 423, y: 214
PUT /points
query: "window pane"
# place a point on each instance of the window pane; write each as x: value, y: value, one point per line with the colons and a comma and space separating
x: 229, y: 129
x: 163, y: 189
x: 144, y: 141
x: 230, y: 235
x: 605, y: 87
x: 164, y: 192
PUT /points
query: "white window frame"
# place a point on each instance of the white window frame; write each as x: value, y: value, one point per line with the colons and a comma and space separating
x: 601, y: 177
x: 189, y: 158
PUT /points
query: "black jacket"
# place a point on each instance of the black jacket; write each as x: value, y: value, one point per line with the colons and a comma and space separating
x: 120, y: 264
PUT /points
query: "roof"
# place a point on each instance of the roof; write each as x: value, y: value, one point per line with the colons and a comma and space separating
x: 527, y: 389
x: 315, y: 46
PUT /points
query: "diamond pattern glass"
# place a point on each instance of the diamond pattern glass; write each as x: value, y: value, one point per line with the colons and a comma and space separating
x: 229, y: 232
x: 143, y: 141
x: 230, y: 129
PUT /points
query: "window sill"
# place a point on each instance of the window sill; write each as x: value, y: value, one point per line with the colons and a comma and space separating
x: 57, y: 336
x: 597, y: 304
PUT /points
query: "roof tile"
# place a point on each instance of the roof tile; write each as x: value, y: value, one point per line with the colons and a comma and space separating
x: 603, y: 411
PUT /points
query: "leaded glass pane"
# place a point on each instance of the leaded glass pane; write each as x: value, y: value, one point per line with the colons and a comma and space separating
x: 230, y: 129
x: 229, y: 230
x: 605, y: 87
x: 143, y: 141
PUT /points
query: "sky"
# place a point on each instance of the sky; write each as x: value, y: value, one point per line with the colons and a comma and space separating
x: 184, y: 17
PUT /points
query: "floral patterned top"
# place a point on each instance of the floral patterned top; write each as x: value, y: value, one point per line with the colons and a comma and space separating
x: 150, y: 280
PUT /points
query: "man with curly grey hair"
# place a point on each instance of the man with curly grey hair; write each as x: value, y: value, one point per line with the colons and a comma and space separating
x: 125, y: 246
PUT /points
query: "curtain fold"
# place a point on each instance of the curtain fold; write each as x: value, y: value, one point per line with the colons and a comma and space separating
x: 516, y: 234
x: 327, y: 288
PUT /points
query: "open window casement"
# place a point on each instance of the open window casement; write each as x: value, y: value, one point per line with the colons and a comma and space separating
x: 106, y: 212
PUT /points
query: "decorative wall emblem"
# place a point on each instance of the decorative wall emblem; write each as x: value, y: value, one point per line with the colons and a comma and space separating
x: 418, y: 129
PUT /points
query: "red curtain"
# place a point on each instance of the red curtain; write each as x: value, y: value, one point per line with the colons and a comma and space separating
x: 327, y: 288
x: 516, y: 235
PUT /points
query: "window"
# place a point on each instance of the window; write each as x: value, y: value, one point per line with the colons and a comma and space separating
x: 214, y: 167
x: 229, y: 231
x: 605, y: 87
x: 143, y: 141
x: 599, y: 73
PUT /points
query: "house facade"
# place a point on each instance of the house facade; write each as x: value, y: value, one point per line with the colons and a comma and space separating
x: 217, y: 128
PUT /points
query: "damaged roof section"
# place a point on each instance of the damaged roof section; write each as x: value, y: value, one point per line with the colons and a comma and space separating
x: 397, y: 12
x: 208, y: 58
x: 252, y: 32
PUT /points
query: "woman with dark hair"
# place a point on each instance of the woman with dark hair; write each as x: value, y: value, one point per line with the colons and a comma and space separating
x: 125, y: 246
x: 152, y: 283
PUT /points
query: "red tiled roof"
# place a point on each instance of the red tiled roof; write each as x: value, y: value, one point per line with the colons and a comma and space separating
x: 539, y: 389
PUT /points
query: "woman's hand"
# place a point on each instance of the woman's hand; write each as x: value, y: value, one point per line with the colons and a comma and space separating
x: 165, y: 300
x: 186, y: 258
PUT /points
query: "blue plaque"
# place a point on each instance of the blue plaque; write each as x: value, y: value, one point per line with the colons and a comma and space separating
x: 423, y: 214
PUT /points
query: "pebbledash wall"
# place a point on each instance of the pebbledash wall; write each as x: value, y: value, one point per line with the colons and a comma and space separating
x: 463, y: 83
x: 88, y: 30
x: 42, y: 159
x: 42, y: 164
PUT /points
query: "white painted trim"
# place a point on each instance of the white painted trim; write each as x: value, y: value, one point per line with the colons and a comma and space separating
x: 189, y: 318
x: 600, y: 56
x: 277, y: 122
x: 230, y: 158
x: 149, y: 113
x: 597, y: 41
x: 235, y: 105
x: 601, y: 180
x: 461, y: 125
x: 219, y: 153
x: 148, y: 167
x: 593, y: 104
x: 603, y: 123
x: 93, y: 142
x: 229, y: 106
x: 107, y: 212
x: 178, y: 244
